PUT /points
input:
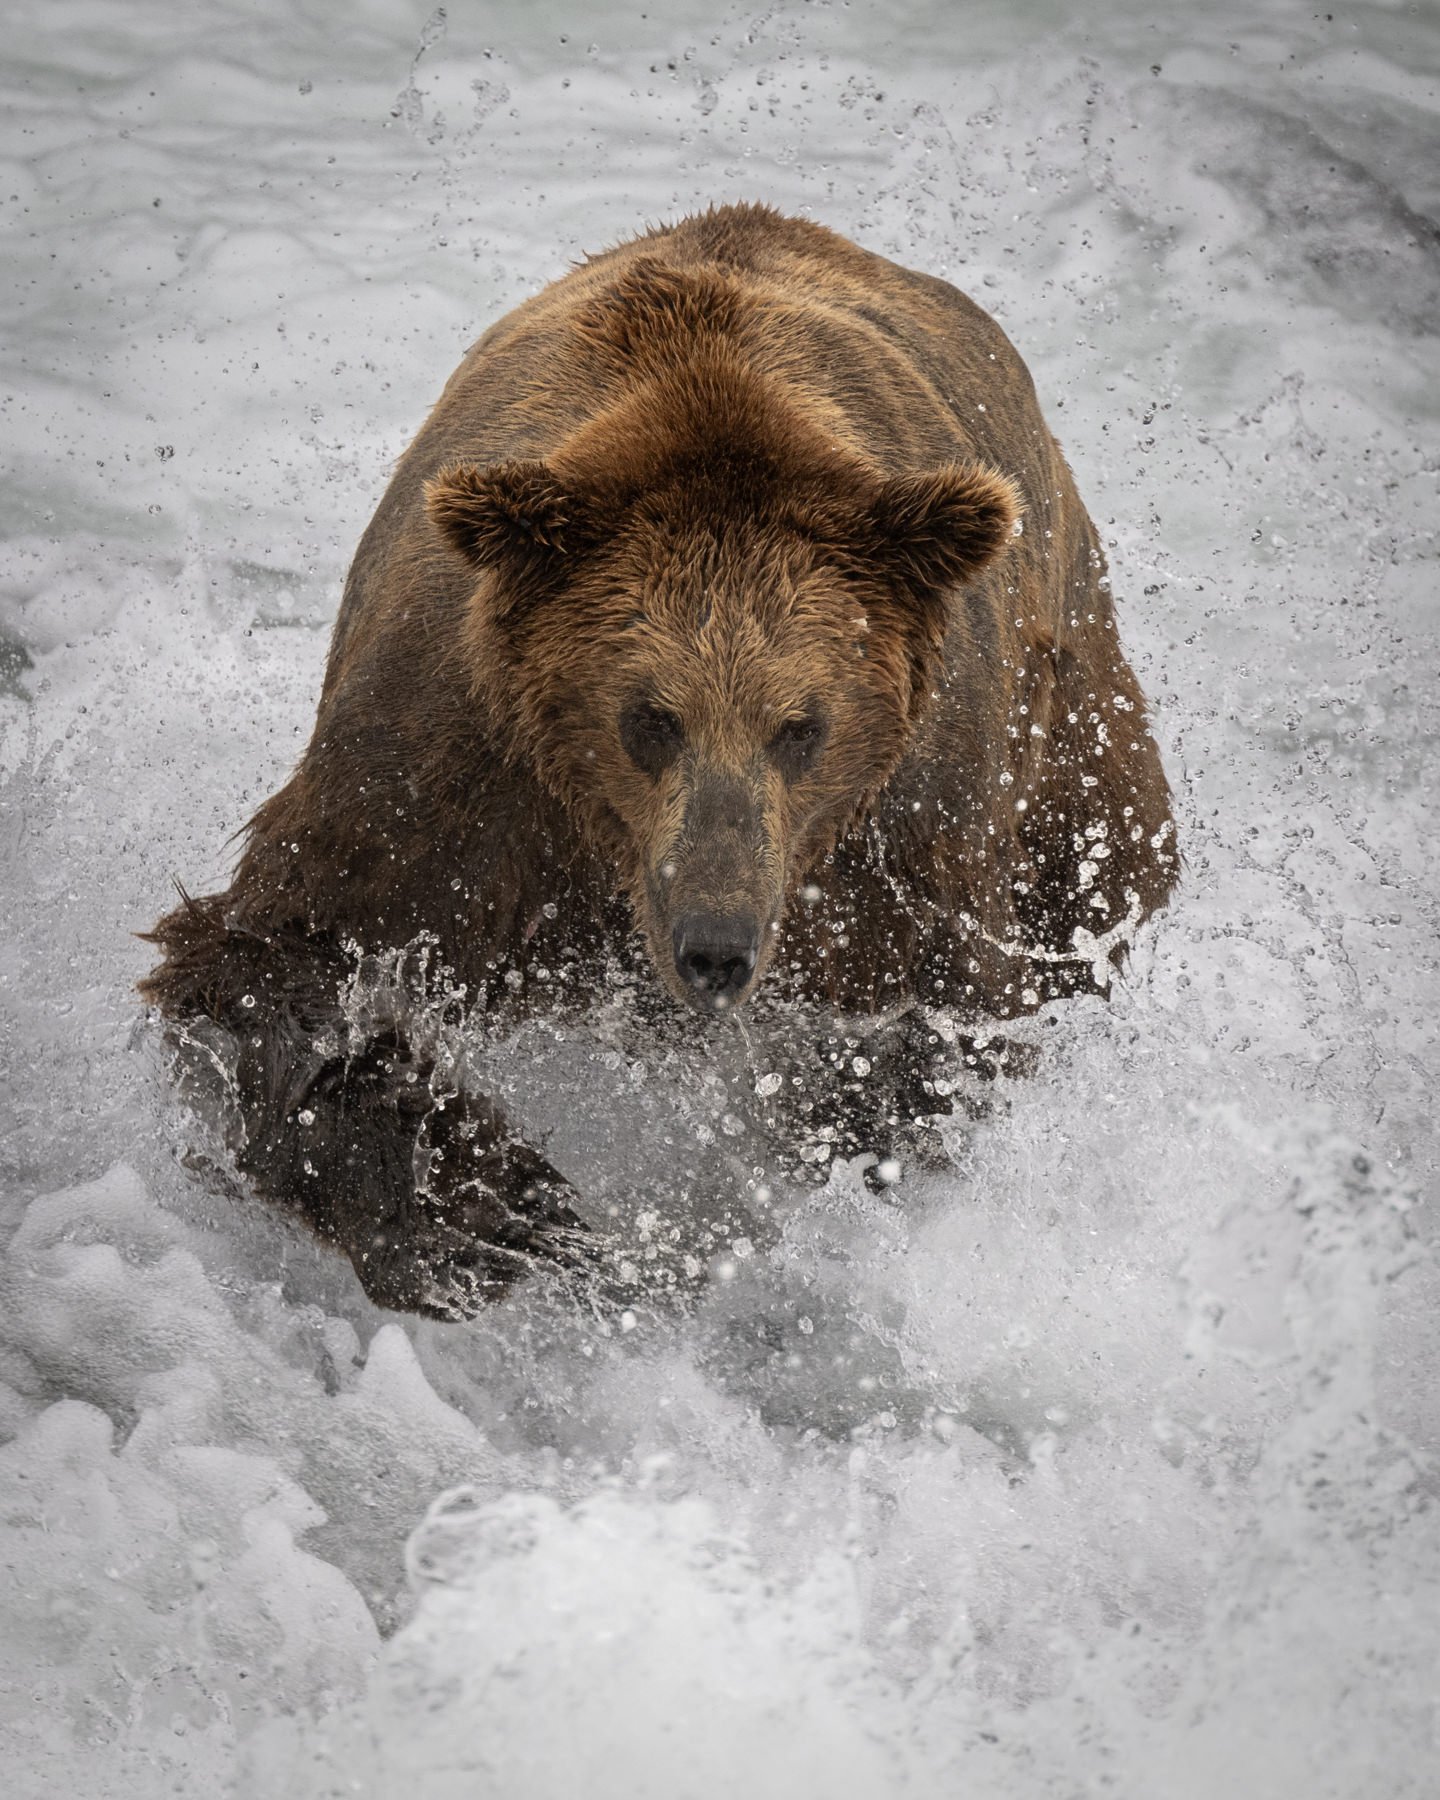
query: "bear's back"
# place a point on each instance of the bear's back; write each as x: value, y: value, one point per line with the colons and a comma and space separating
x: 899, y: 367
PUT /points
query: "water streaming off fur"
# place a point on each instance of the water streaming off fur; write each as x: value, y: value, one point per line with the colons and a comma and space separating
x: 1100, y: 1459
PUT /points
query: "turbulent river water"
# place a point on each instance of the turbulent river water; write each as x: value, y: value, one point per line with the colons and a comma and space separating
x: 1099, y: 1461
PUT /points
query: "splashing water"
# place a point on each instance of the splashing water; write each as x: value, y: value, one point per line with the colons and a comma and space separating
x: 1098, y: 1460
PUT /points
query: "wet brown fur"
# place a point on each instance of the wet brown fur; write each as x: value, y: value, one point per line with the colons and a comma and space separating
x: 736, y: 469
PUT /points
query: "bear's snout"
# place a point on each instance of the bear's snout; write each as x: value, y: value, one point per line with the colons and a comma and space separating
x: 715, y: 957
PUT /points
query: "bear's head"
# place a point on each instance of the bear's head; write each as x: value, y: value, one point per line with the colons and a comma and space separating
x: 714, y: 644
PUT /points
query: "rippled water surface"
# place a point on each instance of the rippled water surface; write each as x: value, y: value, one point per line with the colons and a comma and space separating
x: 1101, y: 1461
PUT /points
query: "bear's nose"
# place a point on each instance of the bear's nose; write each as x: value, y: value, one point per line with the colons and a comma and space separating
x: 716, y: 956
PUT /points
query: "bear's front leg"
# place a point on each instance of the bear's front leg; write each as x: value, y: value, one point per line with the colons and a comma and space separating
x: 438, y: 1206
x: 427, y: 1191
x: 881, y: 1088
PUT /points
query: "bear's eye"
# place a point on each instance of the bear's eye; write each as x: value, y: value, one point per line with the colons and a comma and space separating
x: 652, y: 736
x: 796, y: 745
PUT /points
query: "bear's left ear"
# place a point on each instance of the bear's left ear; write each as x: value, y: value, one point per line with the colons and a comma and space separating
x: 511, y: 514
x: 940, y: 529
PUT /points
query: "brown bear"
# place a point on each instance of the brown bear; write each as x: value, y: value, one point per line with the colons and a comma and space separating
x: 732, y: 619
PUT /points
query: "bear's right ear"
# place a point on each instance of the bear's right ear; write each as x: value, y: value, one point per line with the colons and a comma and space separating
x: 513, y: 515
